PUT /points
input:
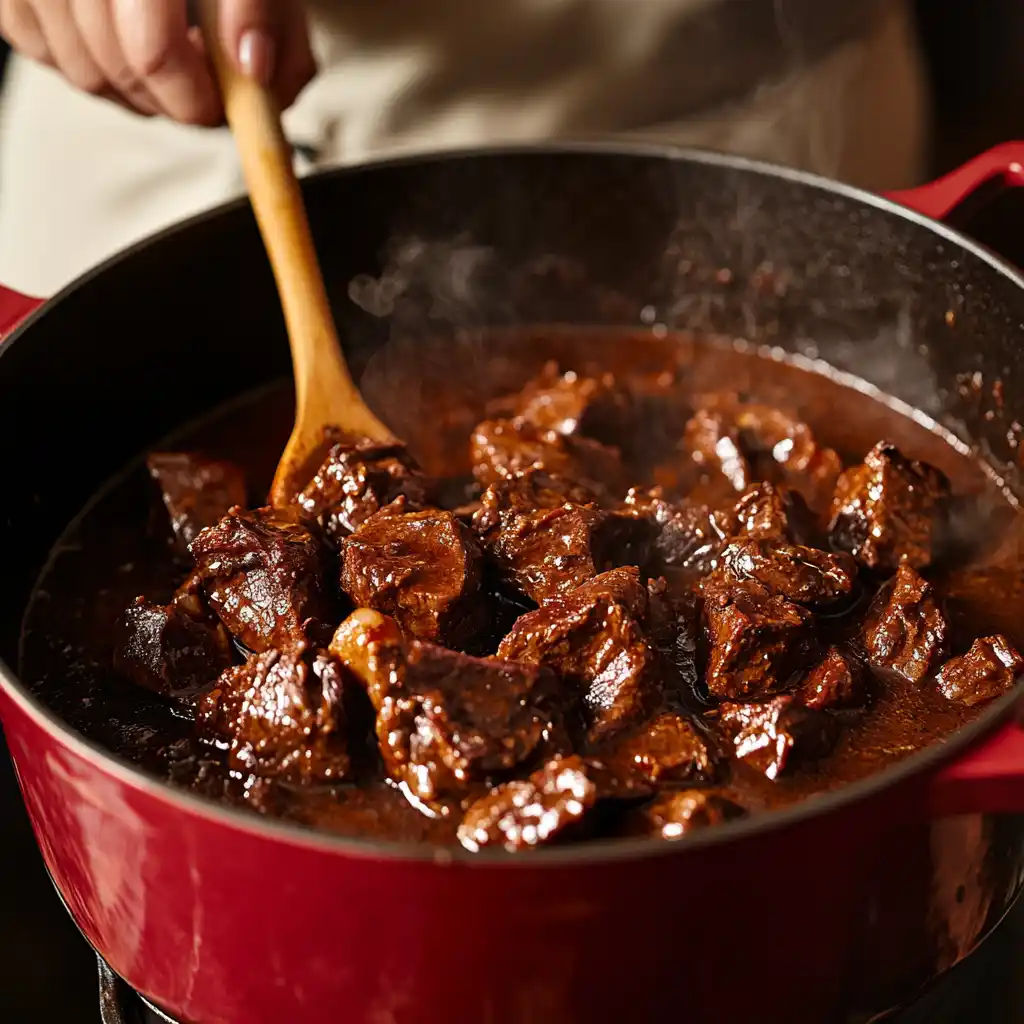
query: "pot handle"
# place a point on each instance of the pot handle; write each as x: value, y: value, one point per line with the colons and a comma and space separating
x: 989, y: 778
x: 1002, y: 166
x: 14, y: 307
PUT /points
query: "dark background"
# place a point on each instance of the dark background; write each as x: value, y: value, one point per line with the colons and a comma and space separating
x: 47, y: 974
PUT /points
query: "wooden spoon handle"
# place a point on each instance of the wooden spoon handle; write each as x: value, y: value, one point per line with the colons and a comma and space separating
x: 323, y: 384
x: 266, y: 157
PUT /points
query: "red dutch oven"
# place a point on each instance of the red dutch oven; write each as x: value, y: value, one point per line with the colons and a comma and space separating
x: 834, y: 910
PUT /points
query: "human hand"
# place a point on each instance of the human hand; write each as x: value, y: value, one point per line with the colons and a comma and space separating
x: 145, y: 55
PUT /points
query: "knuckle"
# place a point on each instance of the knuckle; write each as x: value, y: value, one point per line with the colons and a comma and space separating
x: 125, y: 81
x: 153, y: 62
x: 93, y: 84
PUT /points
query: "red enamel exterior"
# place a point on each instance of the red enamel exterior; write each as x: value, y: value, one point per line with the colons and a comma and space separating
x: 224, y: 919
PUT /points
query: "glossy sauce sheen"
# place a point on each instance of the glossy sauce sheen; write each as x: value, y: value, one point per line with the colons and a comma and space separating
x: 121, y: 547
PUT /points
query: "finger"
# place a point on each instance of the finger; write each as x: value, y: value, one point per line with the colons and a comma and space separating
x: 67, y: 47
x: 269, y: 40
x: 155, y: 39
x: 21, y: 28
x: 96, y: 23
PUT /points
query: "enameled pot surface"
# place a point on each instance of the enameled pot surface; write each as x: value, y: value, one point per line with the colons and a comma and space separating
x: 225, y: 918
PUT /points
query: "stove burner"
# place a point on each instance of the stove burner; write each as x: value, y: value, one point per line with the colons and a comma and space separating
x: 119, y: 1004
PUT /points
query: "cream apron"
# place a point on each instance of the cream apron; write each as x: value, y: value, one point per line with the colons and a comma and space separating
x: 777, y: 79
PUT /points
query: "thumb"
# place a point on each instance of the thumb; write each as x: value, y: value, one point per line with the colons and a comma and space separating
x: 269, y: 40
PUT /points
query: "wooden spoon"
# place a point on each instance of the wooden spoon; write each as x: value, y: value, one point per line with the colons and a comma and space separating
x: 325, y: 394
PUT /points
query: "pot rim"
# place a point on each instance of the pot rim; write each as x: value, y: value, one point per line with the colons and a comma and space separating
x: 597, y: 852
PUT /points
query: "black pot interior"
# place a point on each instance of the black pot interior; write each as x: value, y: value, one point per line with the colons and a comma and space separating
x: 191, y: 319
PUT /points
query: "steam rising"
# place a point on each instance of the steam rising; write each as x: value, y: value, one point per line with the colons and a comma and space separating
x: 428, y: 281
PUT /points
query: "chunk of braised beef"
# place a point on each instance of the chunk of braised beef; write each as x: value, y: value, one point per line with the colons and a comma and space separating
x: 838, y: 681
x: 675, y: 814
x: 767, y: 510
x: 526, y: 491
x: 757, y: 640
x: 671, y: 747
x: 282, y: 715
x: 799, y: 574
x: 568, y: 403
x: 593, y: 638
x: 191, y: 599
x: 687, y: 535
x: 889, y: 510
x: 778, y: 735
x: 544, y: 552
x: 175, y: 650
x: 906, y: 629
x: 421, y: 567
x: 357, y: 480
x: 196, y: 491
x: 503, y: 448
x: 988, y: 670
x: 713, y: 441
x: 807, y: 466
x: 548, y: 807
x: 446, y: 721
x: 264, y: 573
x: 744, y: 440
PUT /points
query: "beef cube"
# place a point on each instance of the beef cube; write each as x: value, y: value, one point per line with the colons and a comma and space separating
x: 988, y: 670
x: 282, y: 715
x: 670, y: 747
x: 265, y: 574
x: 502, y: 448
x: 889, y: 510
x: 799, y: 574
x: 545, y: 552
x: 592, y: 637
x: 526, y: 491
x: 736, y: 438
x: 197, y: 491
x: 769, y: 511
x: 191, y: 599
x: 175, y: 650
x: 906, y: 630
x: 357, y: 480
x: 676, y: 814
x: 836, y: 682
x: 422, y: 568
x: 446, y: 721
x: 687, y: 535
x: 548, y: 807
x: 778, y: 735
x: 807, y: 466
x: 597, y: 407
x: 757, y: 640
x: 713, y: 441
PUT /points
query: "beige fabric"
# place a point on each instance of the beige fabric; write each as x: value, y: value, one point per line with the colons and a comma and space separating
x: 81, y: 179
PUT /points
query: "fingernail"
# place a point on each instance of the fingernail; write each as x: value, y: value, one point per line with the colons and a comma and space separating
x: 256, y: 56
